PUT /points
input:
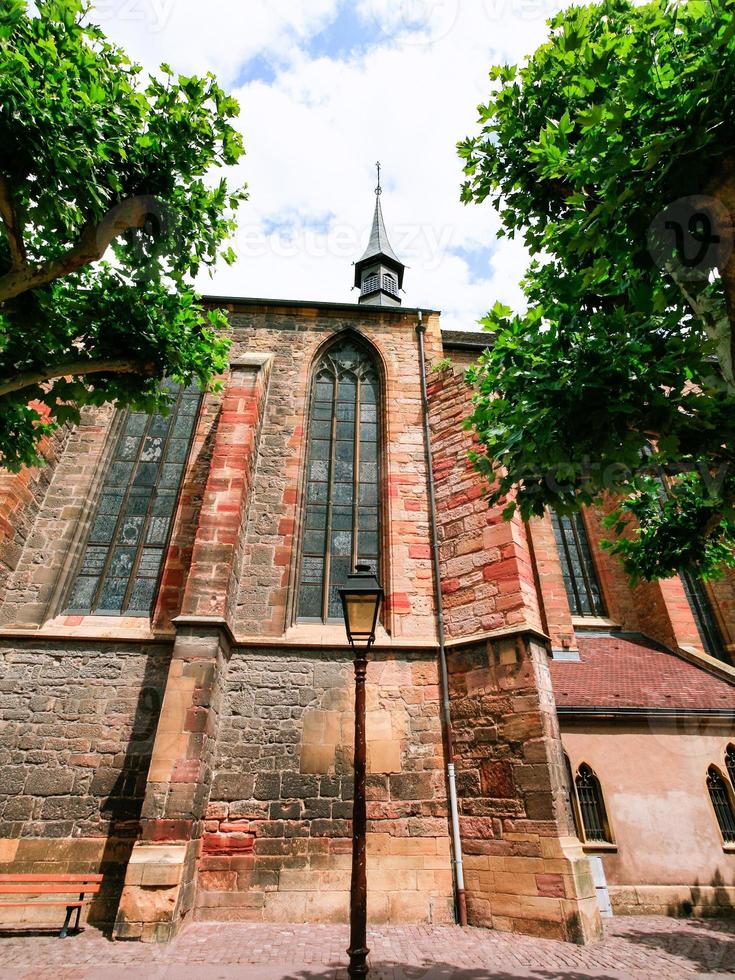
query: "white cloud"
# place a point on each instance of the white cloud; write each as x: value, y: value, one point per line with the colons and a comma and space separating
x: 218, y: 36
x: 314, y: 131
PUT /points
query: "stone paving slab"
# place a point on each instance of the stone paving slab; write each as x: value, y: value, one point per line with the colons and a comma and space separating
x: 650, y: 947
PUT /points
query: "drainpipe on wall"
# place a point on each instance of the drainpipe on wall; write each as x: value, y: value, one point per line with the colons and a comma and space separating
x: 443, y: 676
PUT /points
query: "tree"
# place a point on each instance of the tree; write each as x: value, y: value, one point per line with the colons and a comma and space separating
x: 106, y: 213
x: 612, y: 151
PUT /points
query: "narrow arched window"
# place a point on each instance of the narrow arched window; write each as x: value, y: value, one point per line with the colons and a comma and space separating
x: 573, y: 806
x: 123, y: 555
x: 592, y: 807
x: 730, y: 763
x: 704, y: 616
x: 341, y: 510
x: 722, y: 804
x: 577, y: 567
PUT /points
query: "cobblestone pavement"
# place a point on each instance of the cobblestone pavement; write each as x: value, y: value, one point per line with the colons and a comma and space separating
x: 638, y: 947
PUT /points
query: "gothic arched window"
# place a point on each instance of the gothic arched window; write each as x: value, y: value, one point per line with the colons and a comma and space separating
x: 730, y: 762
x: 722, y: 804
x: 704, y: 616
x: 592, y: 807
x: 341, y: 510
x: 577, y: 566
x: 124, y: 551
x: 573, y: 804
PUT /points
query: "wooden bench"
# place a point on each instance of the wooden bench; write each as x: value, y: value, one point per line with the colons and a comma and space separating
x: 51, y: 885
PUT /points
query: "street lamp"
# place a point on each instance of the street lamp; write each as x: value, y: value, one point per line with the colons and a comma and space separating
x: 361, y: 599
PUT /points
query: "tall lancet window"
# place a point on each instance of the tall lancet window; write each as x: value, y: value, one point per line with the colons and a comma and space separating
x: 342, y: 514
x: 704, y: 616
x: 124, y: 552
x: 577, y: 566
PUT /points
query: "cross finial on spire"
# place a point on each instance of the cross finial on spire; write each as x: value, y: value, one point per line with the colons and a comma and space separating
x: 378, y: 189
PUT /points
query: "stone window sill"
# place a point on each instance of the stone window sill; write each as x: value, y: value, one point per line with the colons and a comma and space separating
x: 593, y: 848
x: 728, y: 848
x: 97, y: 627
x: 594, y: 623
x: 330, y: 634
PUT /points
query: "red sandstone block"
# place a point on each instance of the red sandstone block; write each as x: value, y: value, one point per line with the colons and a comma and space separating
x: 196, y: 720
x: 87, y: 761
x: 227, y: 843
x: 419, y: 551
x: 399, y: 602
x: 282, y: 557
x: 218, y: 862
x: 221, y: 881
x: 242, y: 862
x: 186, y: 771
x: 550, y: 886
x: 167, y: 830
x: 235, y: 826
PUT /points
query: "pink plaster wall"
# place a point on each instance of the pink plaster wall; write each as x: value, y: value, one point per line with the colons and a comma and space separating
x: 653, y: 780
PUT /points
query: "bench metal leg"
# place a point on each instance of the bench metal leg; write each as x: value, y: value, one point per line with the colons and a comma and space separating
x: 67, y: 920
x: 79, y: 914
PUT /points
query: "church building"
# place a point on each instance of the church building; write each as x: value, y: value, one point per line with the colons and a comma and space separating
x: 546, y: 745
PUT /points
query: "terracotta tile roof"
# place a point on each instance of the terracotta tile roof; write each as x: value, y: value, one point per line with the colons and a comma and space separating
x: 624, y: 672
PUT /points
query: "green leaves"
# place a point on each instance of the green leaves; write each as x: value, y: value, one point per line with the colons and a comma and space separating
x: 623, y: 111
x: 84, y: 139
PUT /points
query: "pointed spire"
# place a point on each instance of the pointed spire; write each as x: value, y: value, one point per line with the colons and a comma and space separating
x: 379, y: 273
x: 379, y: 244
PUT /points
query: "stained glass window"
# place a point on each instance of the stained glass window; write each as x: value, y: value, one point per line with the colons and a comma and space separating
x: 578, y: 569
x: 341, y: 511
x: 130, y: 530
x: 592, y: 807
x: 722, y: 804
x: 730, y: 762
x: 704, y: 616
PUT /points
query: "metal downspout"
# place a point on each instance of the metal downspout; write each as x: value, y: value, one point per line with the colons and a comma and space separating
x: 443, y: 676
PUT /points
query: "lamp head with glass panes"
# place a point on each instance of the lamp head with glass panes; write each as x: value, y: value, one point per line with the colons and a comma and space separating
x: 361, y: 600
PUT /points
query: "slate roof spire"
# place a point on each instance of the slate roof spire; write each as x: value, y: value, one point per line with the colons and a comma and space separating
x: 379, y: 273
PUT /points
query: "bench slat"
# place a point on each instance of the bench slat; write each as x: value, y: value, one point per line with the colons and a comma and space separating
x: 39, y: 888
x: 35, y: 905
x: 50, y: 877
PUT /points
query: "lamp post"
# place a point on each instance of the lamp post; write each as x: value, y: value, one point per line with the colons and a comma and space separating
x: 361, y: 599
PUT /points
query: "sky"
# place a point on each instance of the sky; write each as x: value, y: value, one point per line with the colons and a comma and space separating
x: 327, y: 88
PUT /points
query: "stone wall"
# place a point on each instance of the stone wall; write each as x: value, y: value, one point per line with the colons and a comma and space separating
x: 77, y: 724
x: 525, y: 870
x: 267, y: 553
x: 486, y: 570
x: 21, y: 496
x: 277, y: 838
x: 32, y: 594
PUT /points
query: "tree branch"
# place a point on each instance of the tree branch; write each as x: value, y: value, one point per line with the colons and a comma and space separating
x: 13, y: 231
x: 76, y: 369
x: 92, y: 245
x: 722, y: 186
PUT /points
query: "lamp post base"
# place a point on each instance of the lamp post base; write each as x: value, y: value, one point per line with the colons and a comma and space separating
x: 358, y: 962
